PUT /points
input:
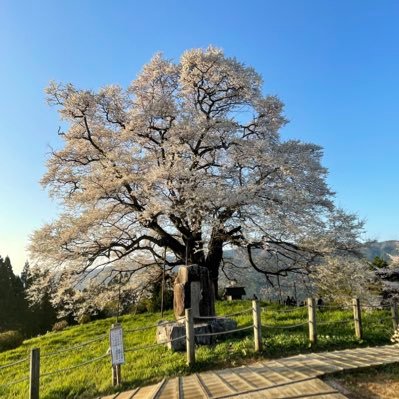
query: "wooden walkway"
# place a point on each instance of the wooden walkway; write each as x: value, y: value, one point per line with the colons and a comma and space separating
x: 289, y: 378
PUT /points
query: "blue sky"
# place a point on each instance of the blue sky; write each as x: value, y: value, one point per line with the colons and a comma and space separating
x: 333, y: 63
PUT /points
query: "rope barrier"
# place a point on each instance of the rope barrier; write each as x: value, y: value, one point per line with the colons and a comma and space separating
x: 337, y: 307
x: 173, y: 339
x: 141, y: 329
x: 285, y: 327
x: 225, y: 315
x: 15, y: 382
x: 376, y: 306
x: 223, y: 332
x: 138, y: 348
x: 324, y: 323
x: 332, y: 308
x: 14, y: 363
x: 51, y: 354
x: 266, y: 309
x: 74, y: 367
x: 153, y: 326
x: 381, y: 320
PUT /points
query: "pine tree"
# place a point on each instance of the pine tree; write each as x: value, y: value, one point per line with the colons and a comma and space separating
x: 25, y: 275
x: 13, y: 305
x: 379, y: 262
x: 5, y: 294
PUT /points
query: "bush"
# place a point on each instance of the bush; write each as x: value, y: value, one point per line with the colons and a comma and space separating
x: 153, y: 302
x: 10, y: 340
x: 84, y: 319
x: 110, y: 309
x: 60, y: 325
x: 140, y: 307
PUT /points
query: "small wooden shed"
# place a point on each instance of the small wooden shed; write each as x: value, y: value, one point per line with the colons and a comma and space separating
x: 231, y: 293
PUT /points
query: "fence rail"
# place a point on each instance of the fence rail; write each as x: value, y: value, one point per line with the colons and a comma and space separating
x: 212, y: 334
x: 284, y: 327
x: 225, y: 315
x: 65, y: 369
x: 74, y: 347
x: 258, y: 326
x: 4, y: 366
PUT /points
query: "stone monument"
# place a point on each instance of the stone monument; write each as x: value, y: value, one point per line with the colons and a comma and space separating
x: 193, y: 289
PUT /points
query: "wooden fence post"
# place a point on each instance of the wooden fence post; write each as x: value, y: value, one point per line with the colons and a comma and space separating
x: 312, y: 320
x: 395, y: 314
x: 116, y: 375
x: 190, y: 338
x: 257, y: 325
x: 34, y: 377
x: 357, y: 317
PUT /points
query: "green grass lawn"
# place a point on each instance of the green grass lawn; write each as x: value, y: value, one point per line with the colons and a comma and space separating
x: 151, y: 365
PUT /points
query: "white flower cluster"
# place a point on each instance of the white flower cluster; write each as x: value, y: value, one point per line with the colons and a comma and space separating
x: 395, y: 337
x: 189, y: 160
x: 339, y: 279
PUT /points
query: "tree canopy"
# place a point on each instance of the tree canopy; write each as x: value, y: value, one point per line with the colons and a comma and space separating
x: 187, y: 159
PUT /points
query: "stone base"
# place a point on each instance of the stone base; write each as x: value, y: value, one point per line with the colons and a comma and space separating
x: 172, y: 331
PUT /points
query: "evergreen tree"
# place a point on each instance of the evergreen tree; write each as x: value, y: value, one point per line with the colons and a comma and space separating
x: 15, y: 312
x: 13, y: 305
x: 42, y: 314
x: 379, y: 262
x: 4, y: 286
x: 25, y: 275
x: 5, y: 294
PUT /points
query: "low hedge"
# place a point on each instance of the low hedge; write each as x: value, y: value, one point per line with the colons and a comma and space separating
x: 10, y: 340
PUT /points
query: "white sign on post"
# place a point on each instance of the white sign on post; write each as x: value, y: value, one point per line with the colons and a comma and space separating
x: 116, y: 342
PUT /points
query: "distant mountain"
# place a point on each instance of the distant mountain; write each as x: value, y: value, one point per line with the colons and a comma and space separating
x: 254, y: 282
x: 381, y: 248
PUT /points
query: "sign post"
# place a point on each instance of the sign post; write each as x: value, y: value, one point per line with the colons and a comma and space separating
x: 117, y: 353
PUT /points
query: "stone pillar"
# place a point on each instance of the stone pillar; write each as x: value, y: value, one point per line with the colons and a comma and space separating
x: 193, y: 289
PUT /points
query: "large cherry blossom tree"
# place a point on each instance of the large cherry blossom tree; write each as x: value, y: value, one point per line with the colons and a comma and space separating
x: 186, y: 161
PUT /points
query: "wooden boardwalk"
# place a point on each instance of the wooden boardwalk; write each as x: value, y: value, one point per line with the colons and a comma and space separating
x: 289, y: 378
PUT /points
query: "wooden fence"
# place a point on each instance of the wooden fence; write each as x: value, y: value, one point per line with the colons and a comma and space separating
x: 117, y: 350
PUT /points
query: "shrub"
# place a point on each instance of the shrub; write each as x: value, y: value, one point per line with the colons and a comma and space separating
x: 60, y: 325
x: 110, y: 309
x: 10, y: 340
x: 140, y: 307
x: 152, y: 302
x: 84, y: 319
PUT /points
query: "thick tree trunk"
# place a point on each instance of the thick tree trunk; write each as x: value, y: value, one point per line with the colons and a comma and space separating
x: 214, y: 258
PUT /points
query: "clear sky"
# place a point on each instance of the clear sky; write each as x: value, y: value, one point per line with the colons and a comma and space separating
x: 334, y: 63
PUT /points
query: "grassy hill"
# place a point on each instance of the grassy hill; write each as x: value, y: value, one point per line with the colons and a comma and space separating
x: 72, y: 348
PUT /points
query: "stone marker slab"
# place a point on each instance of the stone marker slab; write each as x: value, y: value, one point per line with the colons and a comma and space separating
x: 193, y: 289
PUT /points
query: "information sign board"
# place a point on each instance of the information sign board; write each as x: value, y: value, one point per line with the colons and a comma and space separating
x: 116, y: 342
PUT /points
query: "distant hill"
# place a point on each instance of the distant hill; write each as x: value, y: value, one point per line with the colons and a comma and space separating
x: 254, y: 282
x: 381, y: 248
